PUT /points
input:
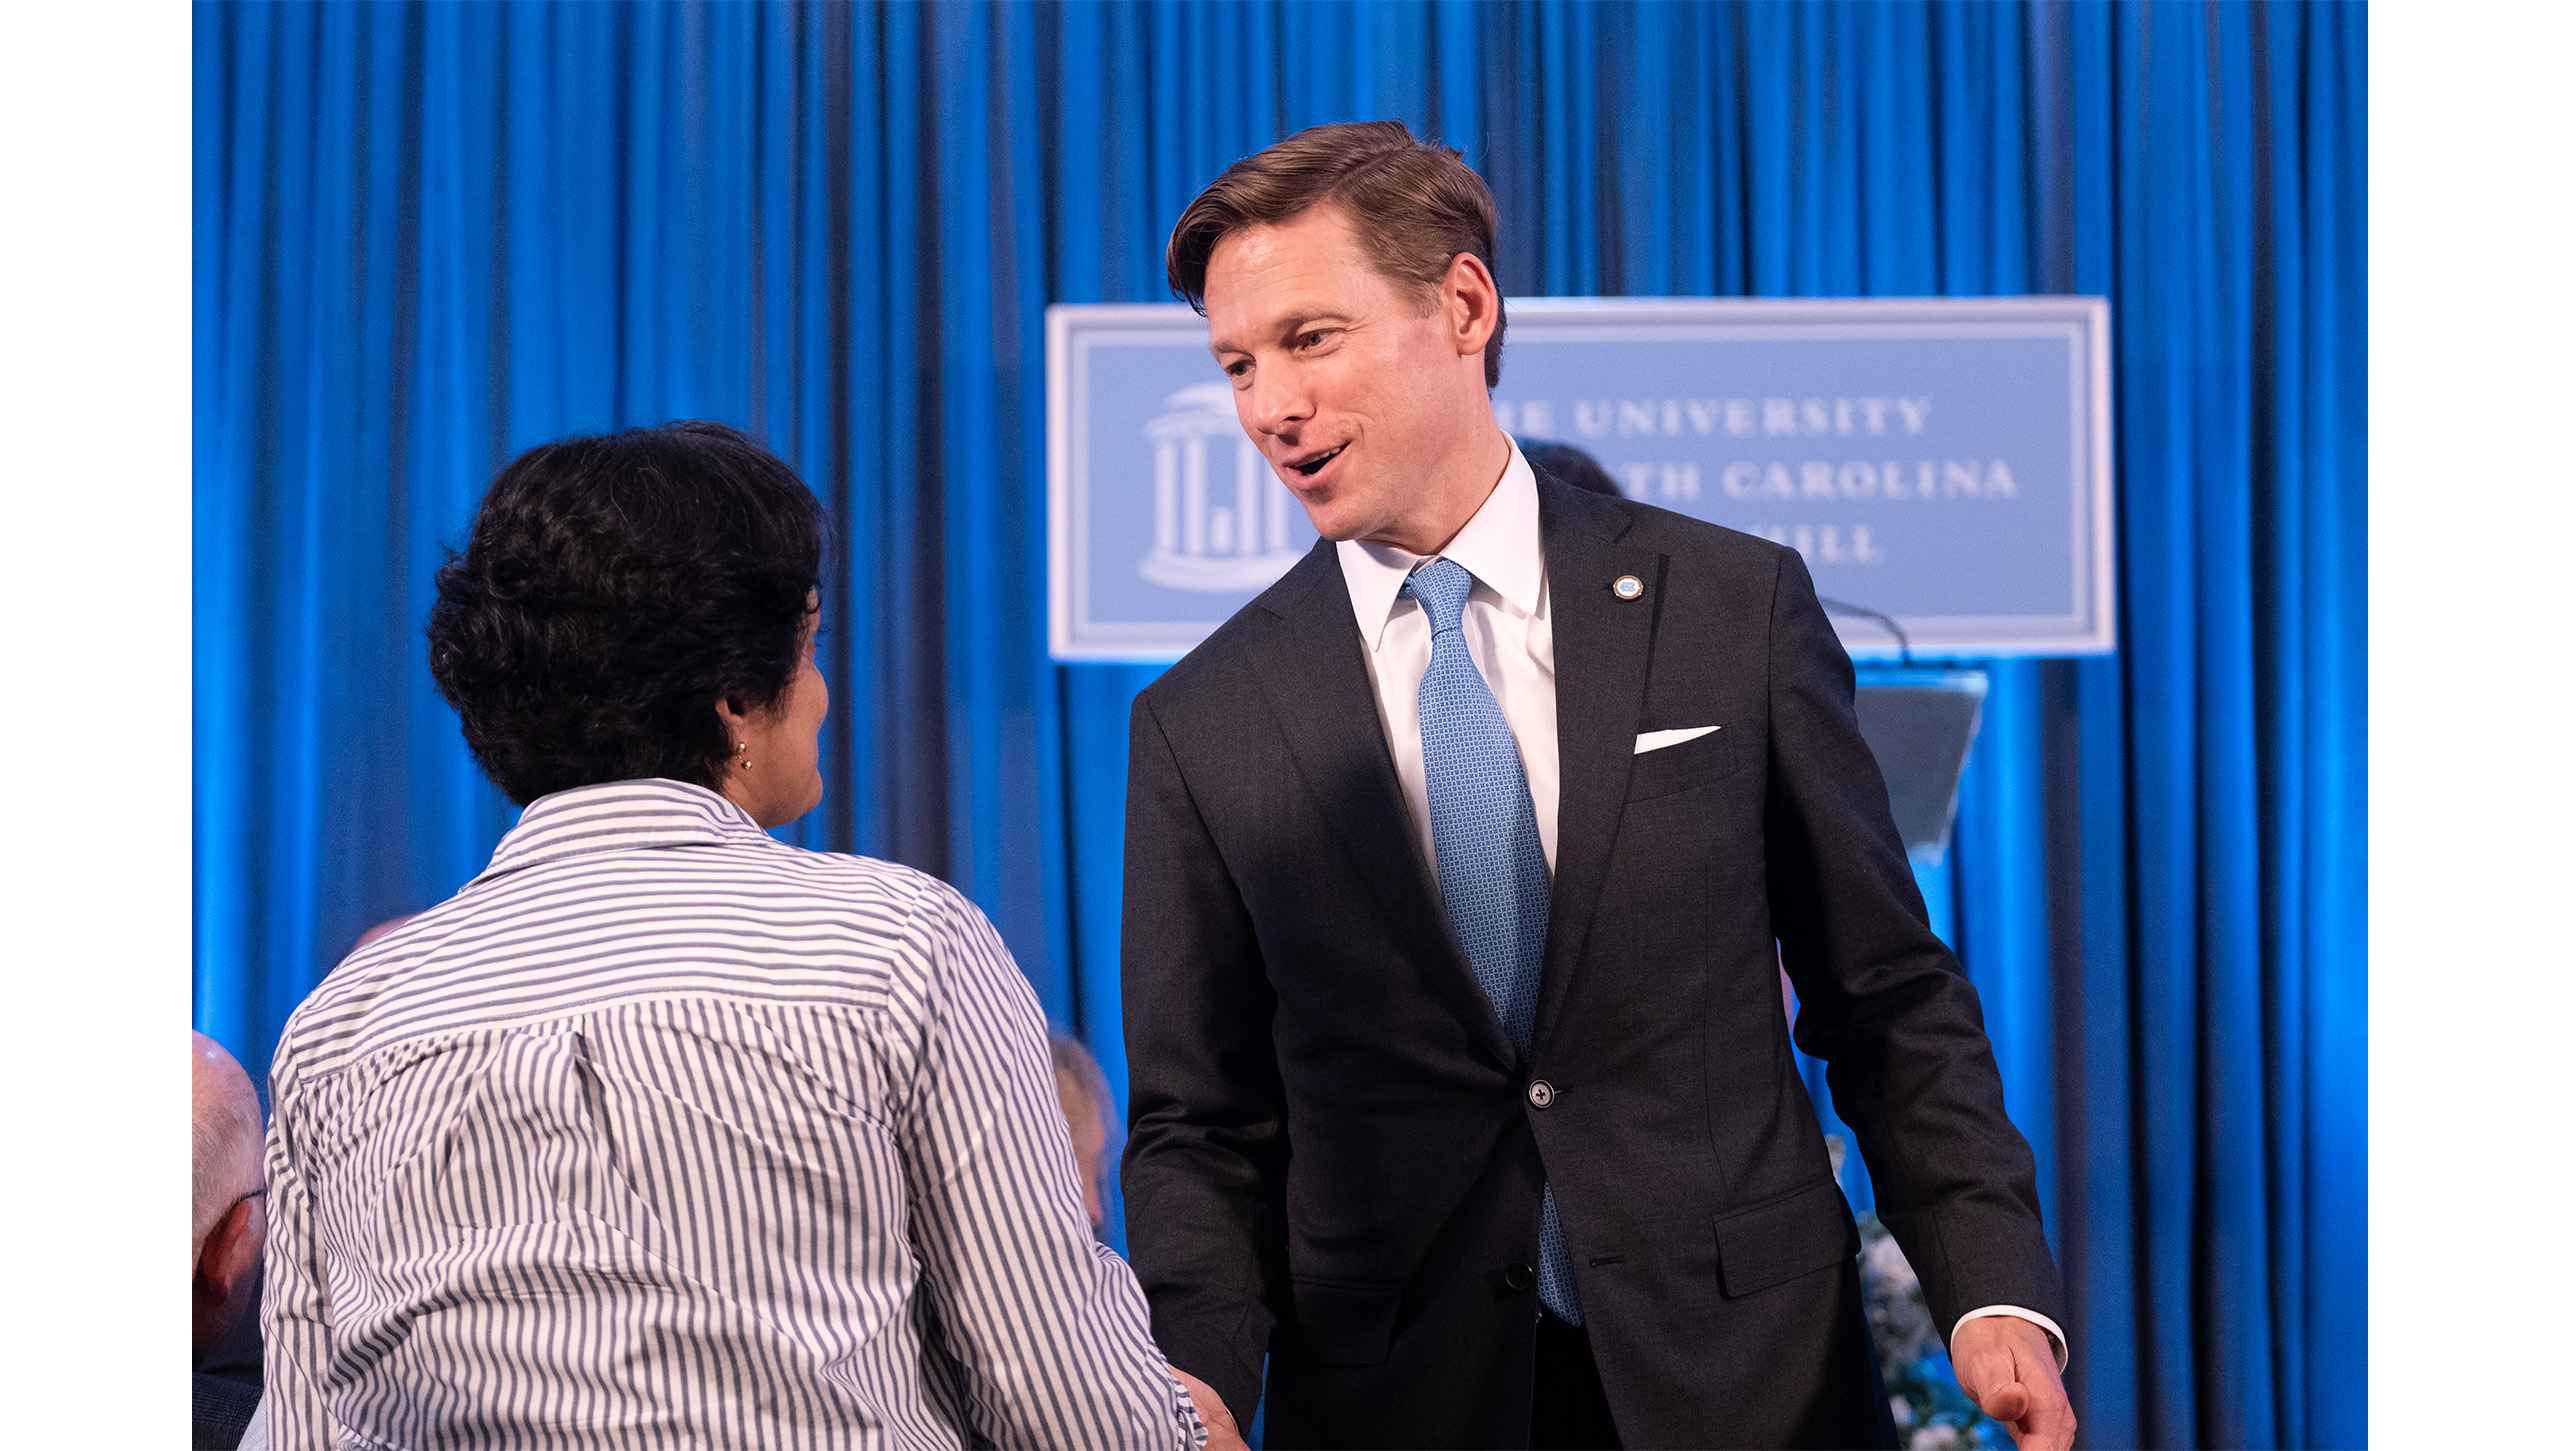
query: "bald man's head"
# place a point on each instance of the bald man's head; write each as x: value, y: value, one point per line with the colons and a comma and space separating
x: 230, y: 1136
x: 231, y: 1220
x: 1084, y: 1096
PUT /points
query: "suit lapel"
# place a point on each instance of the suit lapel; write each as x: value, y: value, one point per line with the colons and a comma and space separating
x: 1306, y: 655
x: 1603, y: 648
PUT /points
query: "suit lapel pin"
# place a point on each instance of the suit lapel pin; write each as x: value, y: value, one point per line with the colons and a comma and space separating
x: 1627, y: 587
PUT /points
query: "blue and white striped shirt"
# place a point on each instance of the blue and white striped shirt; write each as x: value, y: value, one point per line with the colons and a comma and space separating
x: 662, y: 1133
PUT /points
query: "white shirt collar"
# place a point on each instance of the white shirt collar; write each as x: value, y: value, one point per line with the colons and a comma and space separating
x: 1499, y: 546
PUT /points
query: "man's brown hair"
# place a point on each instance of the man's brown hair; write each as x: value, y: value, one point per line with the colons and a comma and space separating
x: 1414, y: 205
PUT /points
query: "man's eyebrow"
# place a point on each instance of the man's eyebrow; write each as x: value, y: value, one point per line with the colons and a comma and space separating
x: 1294, y: 323
x: 1297, y: 322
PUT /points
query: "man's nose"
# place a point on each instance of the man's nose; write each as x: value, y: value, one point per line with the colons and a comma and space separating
x: 1278, y: 402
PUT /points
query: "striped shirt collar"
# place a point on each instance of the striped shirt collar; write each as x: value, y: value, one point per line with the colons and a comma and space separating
x: 621, y: 816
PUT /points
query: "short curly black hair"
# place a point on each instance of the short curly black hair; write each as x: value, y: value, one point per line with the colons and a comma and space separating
x: 613, y: 590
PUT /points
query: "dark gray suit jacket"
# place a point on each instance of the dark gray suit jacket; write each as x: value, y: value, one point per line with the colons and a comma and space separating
x: 223, y: 1411
x: 1334, y: 1153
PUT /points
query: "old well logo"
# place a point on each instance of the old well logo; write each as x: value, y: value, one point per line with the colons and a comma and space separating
x: 1236, y: 540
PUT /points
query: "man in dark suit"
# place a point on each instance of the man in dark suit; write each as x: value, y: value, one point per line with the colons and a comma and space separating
x: 1457, y: 866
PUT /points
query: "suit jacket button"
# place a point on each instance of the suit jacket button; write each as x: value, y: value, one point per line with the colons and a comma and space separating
x: 1540, y: 1094
x: 1519, y: 1276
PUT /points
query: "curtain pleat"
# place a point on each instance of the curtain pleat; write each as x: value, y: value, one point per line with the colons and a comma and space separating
x: 431, y: 235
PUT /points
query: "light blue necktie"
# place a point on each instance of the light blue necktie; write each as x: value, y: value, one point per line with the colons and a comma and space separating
x: 1484, y: 836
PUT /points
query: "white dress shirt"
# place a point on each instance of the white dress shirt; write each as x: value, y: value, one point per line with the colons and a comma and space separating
x: 1507, y: 632
x: 1512, y: 640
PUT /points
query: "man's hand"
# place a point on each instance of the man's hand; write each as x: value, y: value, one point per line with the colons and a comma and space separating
x: 2006, y: 1365
x: 1223, y: 1433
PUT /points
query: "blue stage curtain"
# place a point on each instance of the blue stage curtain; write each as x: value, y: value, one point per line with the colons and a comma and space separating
x: 428, y: 236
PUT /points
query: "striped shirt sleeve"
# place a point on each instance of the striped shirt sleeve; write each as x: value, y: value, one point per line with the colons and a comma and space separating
x: 293, y: 1315
x: 1045, y: 1330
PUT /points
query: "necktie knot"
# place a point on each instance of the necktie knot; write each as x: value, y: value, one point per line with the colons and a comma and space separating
x: 1441, y: 588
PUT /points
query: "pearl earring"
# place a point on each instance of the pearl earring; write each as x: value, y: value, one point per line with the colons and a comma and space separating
x: 743, y: 762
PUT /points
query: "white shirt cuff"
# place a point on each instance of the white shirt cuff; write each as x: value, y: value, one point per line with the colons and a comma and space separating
x: 2053, y: 1332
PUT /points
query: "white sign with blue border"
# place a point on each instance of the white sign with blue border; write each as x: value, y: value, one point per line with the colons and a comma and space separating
x: 1943, y: 461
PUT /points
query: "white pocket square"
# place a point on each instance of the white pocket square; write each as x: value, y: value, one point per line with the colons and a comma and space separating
x: 1656, y: 740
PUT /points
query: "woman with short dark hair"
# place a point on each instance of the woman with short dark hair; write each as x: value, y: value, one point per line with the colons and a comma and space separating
x: 661, y: 1132
x: 632, y: 606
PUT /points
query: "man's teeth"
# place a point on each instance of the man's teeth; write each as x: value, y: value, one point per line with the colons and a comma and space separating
x: 1315, y: 466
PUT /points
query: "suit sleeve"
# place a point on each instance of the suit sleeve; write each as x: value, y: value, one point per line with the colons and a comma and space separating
x: 1884, y: 1002
x: 1208, y: 1145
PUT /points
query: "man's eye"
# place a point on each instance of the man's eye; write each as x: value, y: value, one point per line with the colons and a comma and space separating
x: 1309, y: 340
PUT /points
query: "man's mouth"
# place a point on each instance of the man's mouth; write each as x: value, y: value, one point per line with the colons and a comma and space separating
x: 1314, y: 466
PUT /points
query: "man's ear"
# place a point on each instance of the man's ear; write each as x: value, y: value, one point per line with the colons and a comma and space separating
x: 227, y: 1269
x: 235, y: 1249
x: 1474, y: 302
